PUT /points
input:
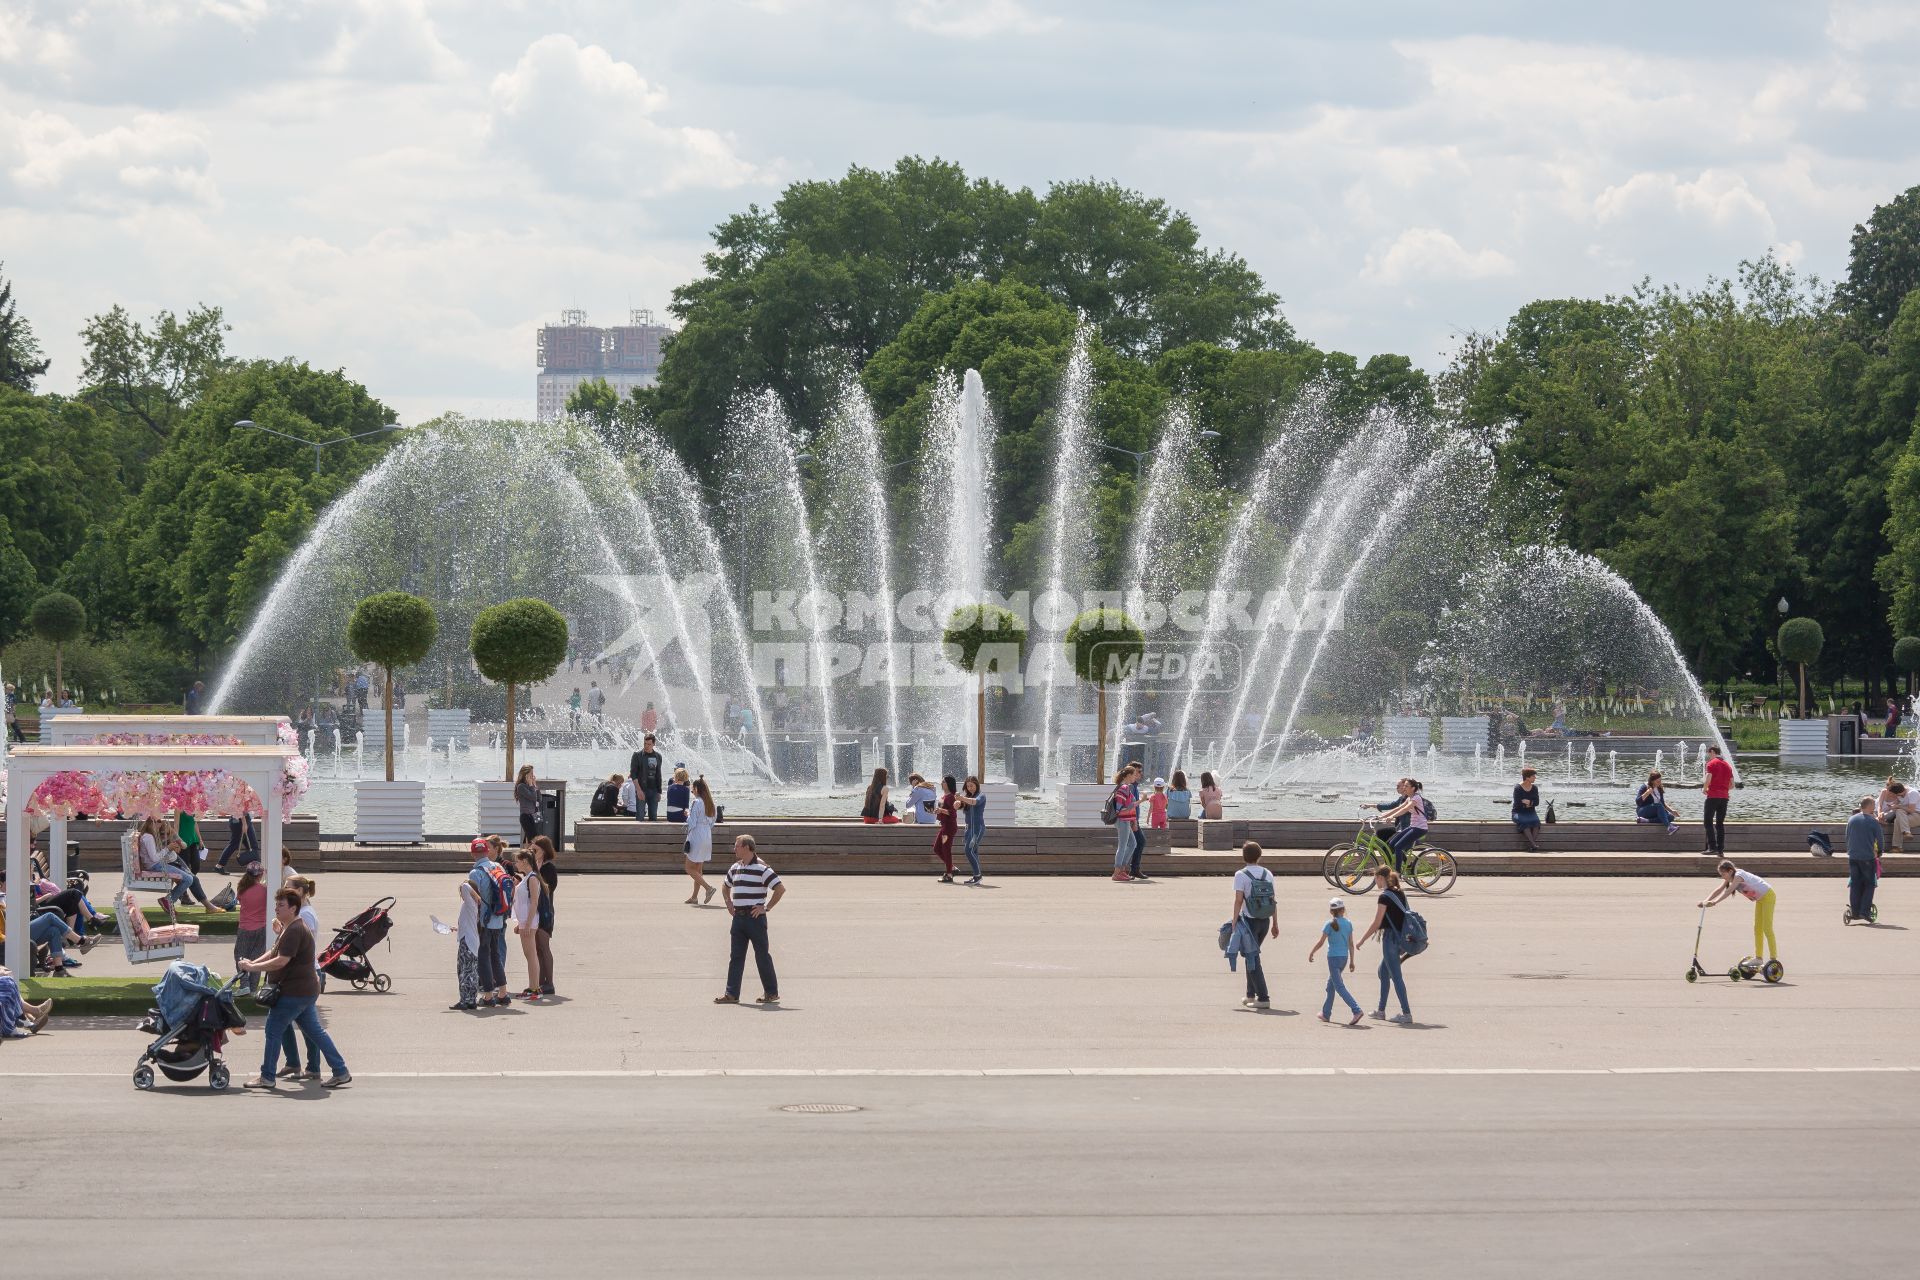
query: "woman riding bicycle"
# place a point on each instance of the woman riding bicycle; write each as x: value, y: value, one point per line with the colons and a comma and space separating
x: 1409, y: 816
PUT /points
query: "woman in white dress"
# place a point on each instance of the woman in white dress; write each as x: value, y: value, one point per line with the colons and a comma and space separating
x: 699, y: 847
x: 526, y: 916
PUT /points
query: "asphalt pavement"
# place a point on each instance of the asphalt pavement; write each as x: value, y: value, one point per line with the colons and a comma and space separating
x: 1052, y: 1077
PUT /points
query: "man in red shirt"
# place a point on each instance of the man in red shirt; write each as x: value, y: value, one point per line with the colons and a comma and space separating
x: 1719, y: 789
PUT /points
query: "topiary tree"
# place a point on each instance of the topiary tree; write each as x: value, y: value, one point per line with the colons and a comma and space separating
x: 1104, y: 646
x: 1906, y: 658
x: 983, y: 639
x: 1799, y: 642
x: 392, y: 629
x: 516, y: 643
x: 57, y: 618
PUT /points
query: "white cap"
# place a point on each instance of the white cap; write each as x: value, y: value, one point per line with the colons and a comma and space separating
x: 1336, y: 905
x: 1159, y: 782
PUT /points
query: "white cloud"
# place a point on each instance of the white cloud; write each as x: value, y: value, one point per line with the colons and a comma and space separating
x: 48, y: 160
x: 1721, y: 200
x: 974, y: 19
x: 1427, y: 253
x: 585, y: 121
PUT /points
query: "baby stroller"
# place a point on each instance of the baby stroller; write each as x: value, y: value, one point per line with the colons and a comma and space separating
x: 191, y: 1021
x: 346, y: 956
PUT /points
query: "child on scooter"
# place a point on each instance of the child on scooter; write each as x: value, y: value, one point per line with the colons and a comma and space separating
x: 1755, y: 890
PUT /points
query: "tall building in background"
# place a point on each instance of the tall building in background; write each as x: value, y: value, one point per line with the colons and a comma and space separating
x: 572, y: 352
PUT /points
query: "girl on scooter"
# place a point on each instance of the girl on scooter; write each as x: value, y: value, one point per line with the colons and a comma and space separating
x: 1757, y: 891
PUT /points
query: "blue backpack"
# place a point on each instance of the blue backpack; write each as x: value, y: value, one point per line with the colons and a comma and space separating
x: 500, y: 900
x: 1413, y: 930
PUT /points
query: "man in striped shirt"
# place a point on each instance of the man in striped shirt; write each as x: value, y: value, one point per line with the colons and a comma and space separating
x: 752, y: 889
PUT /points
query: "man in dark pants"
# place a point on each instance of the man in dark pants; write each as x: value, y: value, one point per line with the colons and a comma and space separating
x: 1863, y: 849
x: 752, y: 889
x: 240, y: 836
x: 1718, y: 789
x: 648, y: 770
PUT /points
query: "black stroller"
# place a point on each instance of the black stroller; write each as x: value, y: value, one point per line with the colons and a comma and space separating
x: 191, y: 1043
x: 346, y: 956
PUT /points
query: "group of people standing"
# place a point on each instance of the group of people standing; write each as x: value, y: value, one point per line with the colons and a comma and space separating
x: 945, y: 810
x: 501, y: 892
x: 1124, y: 806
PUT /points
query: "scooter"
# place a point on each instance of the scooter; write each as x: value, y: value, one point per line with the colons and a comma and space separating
x: 1872, y: 916
x: 1750, y: 968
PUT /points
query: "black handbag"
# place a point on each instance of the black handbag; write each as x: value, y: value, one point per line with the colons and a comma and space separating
x: 267, y: 996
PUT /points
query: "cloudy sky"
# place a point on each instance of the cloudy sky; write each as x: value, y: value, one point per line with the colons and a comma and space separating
x: 408, y: 188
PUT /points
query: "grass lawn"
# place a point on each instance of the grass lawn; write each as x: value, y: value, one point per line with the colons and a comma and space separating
x: 212, y: 923
x: 111, y: 997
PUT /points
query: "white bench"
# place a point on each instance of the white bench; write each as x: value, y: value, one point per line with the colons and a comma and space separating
x: 145, y: 945
x: 131, y: 876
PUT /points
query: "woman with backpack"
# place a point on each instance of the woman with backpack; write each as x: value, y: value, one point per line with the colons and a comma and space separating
x: 1390, y: 922
x: 1410, y: 816
x: 1124, y: 808
x: 527, y: 893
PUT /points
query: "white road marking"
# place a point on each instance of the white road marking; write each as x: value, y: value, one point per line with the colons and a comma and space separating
x: 1001, y: 1073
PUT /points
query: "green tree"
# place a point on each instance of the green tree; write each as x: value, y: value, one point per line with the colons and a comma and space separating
x: 59, y: 619
x: 519, y: 642
x: 220, y: 508
x: 1906, y: 658
x: 20, y: 358
x: 1799, y: 642
x: 1104, y: 646
x: 1884, y: 265
x: 794, y: 296
x: 61, y: 478
x: 392, y: 629
x: 984, y: 640
x: 19, y: 586
x: 149, y: 374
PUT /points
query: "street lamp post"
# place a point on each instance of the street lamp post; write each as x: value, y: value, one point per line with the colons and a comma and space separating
x: 1140, y: 456
x: 318, y: 445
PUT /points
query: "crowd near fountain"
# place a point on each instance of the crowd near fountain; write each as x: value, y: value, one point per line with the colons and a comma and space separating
x: 1332, y: 600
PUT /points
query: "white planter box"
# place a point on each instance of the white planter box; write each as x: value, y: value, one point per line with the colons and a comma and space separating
x: 1001, y: 798
x: 389, y: 812
x: 1081, y: 803
x: 498, y: 814
x: 1803, y: 738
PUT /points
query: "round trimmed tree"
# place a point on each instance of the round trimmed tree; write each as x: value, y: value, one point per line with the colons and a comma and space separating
x: 1104, y: 646
x: 1906, y: 658
x: 57, y: 618
x: 984, y: 640
x: 392, y: 629
x: 1799, y: 642
x: 518, y: 642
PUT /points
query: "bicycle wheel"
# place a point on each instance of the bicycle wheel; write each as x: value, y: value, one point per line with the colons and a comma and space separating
x: 1433, y: 870
x: 1330, y: 865
x: 1355, y: 873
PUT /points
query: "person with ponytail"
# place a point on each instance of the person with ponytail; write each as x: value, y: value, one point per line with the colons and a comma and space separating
x: 1389, y: 921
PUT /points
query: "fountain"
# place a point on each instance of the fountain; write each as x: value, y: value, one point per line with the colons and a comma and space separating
x: 1069, y: 535
x: 1331, y: 524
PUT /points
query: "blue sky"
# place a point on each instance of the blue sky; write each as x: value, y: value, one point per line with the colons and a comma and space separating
x: 407, y: 188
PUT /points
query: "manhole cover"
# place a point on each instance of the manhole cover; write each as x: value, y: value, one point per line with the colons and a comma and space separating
x: 820, y: 1108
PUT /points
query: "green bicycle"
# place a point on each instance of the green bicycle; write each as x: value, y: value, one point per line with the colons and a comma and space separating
x: 1350, y: 867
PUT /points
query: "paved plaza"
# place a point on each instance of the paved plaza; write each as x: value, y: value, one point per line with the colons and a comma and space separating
x: 1053, y: 1076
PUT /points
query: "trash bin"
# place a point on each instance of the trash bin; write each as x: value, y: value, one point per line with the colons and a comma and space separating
x: 552, y: 819
x: 846, y: 763
x: 1849, y: 737
x: 953, y: 761
x: 899, y: 761
x: 1023, y: 765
